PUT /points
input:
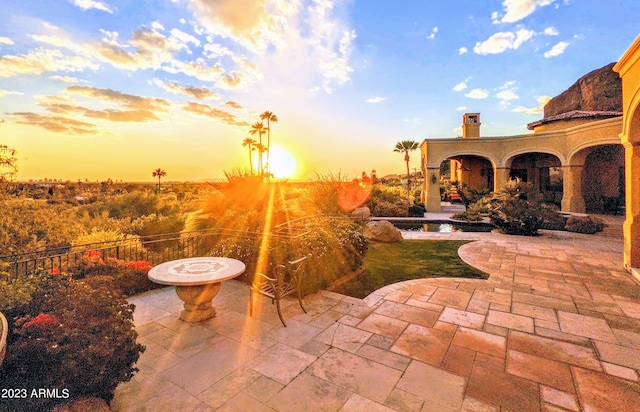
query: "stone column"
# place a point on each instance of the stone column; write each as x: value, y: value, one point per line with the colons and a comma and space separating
x: 433, y: 190
x: 572, y: 200
x: 501, y: 178
x: 632, y: 206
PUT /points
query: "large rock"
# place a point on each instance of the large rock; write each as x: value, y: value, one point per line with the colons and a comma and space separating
x: 599, y: 90
x: 382, y: 231
x: 361, y: 213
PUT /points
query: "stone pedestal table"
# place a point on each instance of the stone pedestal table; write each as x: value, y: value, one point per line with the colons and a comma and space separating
x: 197, y: 281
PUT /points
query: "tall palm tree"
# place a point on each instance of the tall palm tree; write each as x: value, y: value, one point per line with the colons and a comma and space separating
x: 269, y: 117
x: 406, y: 146
x: 249, y: 142
x: 159, y: 173
x: 261, y: 150
x: 258, y: 128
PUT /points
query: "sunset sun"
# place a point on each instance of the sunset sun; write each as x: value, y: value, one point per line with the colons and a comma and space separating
x: 281, y: 162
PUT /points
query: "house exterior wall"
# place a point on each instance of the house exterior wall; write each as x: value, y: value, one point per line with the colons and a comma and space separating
x: 567, y: 145
x: 629, y: 69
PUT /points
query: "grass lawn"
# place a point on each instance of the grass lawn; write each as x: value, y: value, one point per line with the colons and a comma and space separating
x: 388, y: 263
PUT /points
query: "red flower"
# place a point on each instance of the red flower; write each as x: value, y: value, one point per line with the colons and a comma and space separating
x: 140, y: 265
x: 42, y: 319
x: 93, y: 254
x: 54, y: 271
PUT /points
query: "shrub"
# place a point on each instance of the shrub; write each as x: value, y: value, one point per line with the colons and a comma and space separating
x: 471, y: 196
x: 584, y: 224
x: 417, y: 211
x: 387, y: 209
x: 518, y: 210
x: 67, y: 336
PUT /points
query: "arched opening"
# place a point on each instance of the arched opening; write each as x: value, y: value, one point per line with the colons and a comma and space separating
x: 603, y: 179
x: 476, y: 172
x: 543, y: 170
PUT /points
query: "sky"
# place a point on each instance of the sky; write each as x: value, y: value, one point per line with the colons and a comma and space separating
x: 98, y: 89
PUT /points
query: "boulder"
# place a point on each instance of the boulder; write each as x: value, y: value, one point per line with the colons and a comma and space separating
x: 361, y: 213
x: 599, y: 90
x: 382, y: 231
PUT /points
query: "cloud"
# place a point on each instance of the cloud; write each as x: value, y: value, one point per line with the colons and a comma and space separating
x: 214, y: 113
x: 551, y: 31
x: 185, y: 38
x: 507, y: 95
x: 7, y: 92
x: 42, y: 61
x: 542, y: 100
x: 461, y: 108
x: 92, y: 4
x: 65, y: 79
x: 433, y: 33
x: 375, y: 99
x: 478, y: 94
x: 127, y: 107
x: 495, y: 17
x: 557, y: 49
x: 56, y: 124
x: 233, y: 105
x: 201, y: 93
x: 216, y: 50
x: 502, y: 41
x: 284, y: 36
x: 6, y: 40
x: 460, y: 86
x: 516, y: 10
x: 247, y: 22
x: 462, y: 50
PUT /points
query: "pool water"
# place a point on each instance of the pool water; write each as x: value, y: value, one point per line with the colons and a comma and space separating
x: 443, y: 227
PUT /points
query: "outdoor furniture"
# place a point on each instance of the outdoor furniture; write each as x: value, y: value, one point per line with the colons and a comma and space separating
x: 197, y: 281
x: 286, y: 281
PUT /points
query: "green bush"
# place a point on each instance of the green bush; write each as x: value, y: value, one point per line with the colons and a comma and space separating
x: 417, y: 211
x: 584, y: 224
x: 68, y: 336
x: 471, y: 196
x: 386, y: 209
x: 518, y: 210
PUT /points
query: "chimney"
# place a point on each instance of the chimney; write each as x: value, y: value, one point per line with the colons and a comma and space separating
x: 470, y: 125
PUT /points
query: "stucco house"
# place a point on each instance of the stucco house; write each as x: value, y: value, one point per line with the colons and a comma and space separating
x: 583, y: 155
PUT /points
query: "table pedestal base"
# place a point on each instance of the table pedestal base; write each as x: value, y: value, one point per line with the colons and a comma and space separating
x: 197, y: 301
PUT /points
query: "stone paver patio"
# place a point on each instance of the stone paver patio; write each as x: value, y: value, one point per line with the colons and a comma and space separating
x: 556, y: 327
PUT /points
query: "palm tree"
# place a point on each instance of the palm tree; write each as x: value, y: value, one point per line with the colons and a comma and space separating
x: 269, y: 117
x: 261, y: 150
x: 406, y: 146
x: 159, y: 173
x: 249, y: 142
x: 258, y: 128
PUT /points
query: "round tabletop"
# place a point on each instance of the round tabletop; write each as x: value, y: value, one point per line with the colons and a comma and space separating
x: 196, y: 271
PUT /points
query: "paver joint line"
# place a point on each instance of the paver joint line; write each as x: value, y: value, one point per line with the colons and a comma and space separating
x: 556, y: 325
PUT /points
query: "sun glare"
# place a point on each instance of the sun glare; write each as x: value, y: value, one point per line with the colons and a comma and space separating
x: 281, y: 162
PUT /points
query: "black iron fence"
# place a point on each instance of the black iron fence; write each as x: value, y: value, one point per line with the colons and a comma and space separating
x: 153, y: 249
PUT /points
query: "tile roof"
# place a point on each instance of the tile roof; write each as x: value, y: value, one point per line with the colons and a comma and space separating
x: 574, y: 114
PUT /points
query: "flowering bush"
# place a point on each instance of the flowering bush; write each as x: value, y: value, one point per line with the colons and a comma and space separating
x: 129, y: 278
x: 65, y: 336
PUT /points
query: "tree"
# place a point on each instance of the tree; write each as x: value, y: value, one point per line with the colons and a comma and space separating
x: 8, y: 168
x: 269, y: 117
x: 258, y: 128
x: 159, y: 173
x: 250, y: 143
x: 406, y: 146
